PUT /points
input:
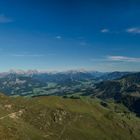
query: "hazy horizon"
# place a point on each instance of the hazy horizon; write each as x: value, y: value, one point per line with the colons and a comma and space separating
x: 57, y: 71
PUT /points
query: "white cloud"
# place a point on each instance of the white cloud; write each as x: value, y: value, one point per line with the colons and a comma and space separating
x: 104, y: 30
x: 4, y: 19
x: 123, y: 59
x: 58, y: 37
x: 134, y: 30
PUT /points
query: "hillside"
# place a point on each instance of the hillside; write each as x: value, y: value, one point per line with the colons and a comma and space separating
x: 55, y: 118
x: 127, y: 85
x: 125, y: 90
x: 113, y: 75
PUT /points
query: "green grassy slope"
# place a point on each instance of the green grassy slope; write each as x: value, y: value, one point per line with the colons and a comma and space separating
x: 55, y: 118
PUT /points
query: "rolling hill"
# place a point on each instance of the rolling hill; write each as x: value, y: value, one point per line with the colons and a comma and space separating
x: 55, y: 118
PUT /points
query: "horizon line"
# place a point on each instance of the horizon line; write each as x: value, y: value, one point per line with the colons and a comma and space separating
x: 58, y: 71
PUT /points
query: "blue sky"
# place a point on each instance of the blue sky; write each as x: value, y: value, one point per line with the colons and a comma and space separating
x: 101, y: 35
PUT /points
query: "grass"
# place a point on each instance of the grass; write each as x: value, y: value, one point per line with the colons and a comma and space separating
x: 56, y: 118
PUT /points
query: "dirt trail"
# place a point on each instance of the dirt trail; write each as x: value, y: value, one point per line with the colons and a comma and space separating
x: 13, y: 115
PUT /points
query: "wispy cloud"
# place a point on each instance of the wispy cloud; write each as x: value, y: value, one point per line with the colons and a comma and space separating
x: 5, y: 19
x: 104, y: 30
x: 116, y: 59
x: 134, y: 30
x: 123, y: 59
x: 58, y: 37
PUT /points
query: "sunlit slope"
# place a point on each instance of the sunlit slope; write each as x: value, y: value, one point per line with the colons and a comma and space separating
x: 55, y: 118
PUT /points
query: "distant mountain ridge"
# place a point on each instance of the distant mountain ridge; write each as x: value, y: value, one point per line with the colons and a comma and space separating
x: 34, y: 82
x: 95, y: 74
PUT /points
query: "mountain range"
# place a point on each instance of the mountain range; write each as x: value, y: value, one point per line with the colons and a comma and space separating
x: 69, y: 105
x: 33, y: 82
